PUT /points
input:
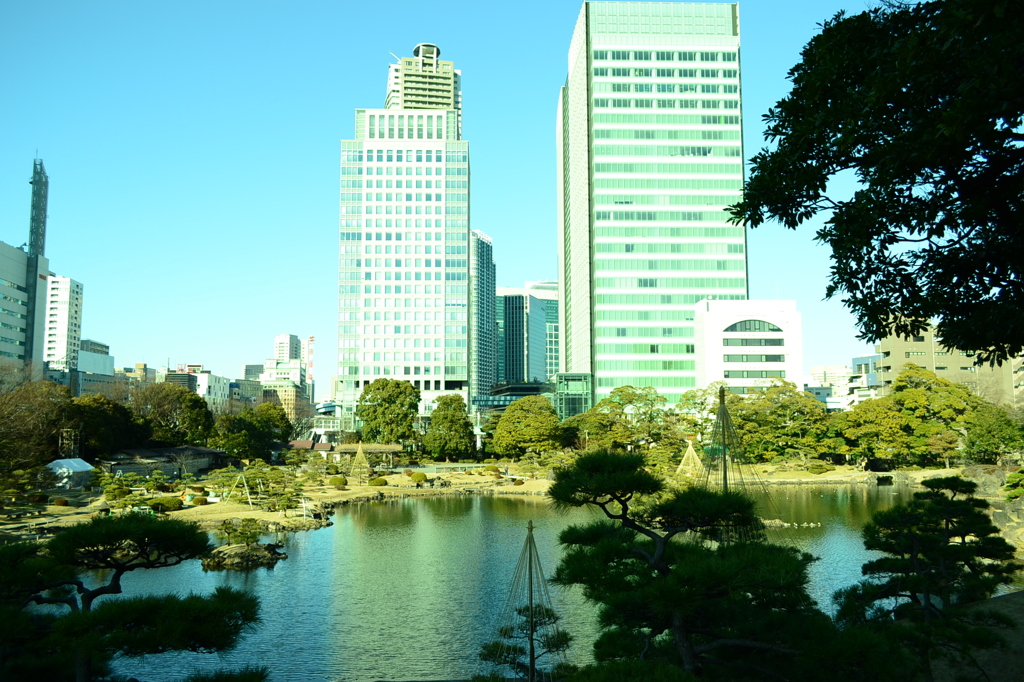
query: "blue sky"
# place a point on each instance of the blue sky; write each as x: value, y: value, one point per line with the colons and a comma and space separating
x: 193, y: 147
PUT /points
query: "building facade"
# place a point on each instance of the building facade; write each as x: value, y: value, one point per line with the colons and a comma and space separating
x: 63, y: 323
x: 522, y: 336
x: 17, y: 342
x: 287, y: 347
x: 748, y: 344
x: 1000, y: 384
x: 649, y: 156
x: 483, y: 357
x: 404, y: 304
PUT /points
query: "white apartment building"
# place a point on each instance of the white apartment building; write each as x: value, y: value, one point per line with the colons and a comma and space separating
x: 649, y: 156
x: 287, y: 347
x: 405, y: 302
x: 748, y: 344
x: 215, y: 389
x: 63, y: 323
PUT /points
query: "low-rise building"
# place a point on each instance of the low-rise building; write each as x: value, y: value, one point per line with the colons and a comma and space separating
x: 999, y: 384
x: 747, y: 344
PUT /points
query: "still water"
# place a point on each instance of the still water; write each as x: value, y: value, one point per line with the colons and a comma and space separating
x: 410, y: 589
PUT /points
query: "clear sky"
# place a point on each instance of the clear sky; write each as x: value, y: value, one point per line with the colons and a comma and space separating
x: 193, y: 154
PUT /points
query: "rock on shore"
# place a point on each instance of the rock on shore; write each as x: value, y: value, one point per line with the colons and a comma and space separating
x: 241, y: 557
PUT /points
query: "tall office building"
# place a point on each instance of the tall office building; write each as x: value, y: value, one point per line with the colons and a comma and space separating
x: 649, y: 155
x: 527, y: 323
x: 482, y: 323
x: 404, y: 304
x: 63, y: 323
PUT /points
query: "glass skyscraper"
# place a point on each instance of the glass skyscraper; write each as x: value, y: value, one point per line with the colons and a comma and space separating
x: 649, y: 155
x: 405, y: 271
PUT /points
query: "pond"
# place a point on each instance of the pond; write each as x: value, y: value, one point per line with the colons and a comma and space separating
x: 410, y: 589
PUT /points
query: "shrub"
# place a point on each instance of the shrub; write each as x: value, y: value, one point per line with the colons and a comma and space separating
x: 198, y: 501
x: 332, y: 469
x: 169, y: 503
x: 467, y: 461
x: 197, y: 489
x: 418, y: 477
x: 407, y: 472
x: 490, y: 460
x: 518, y: 481
x: 60, y: 502
x: 337, y: 480
x: 818, y: 468
x: 492, y: 468
x: 115, y: 492
x: 414, y: 462
x: 37, y: 498
x: 378, y: 481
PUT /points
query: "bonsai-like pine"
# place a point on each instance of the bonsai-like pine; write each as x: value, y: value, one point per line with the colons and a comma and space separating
x: 941, y: 552
x: 513, y: 649
x: 79, y: 641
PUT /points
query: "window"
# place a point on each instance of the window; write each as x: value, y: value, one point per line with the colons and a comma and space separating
x: 602, y: 71
x: 665, y: 56
x: 752, y: 326
x: 600, y: 54
x: 918, y: 339
x: 753, y: 342
x: 754, y: 358
x: 914, y: 353
x: 620, y: 55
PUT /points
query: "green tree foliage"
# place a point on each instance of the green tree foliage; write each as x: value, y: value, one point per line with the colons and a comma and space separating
x: 922, y: 102
x: 252, y: 433
x: 529, y: 424
x: 780, y: 420
x: 272, y: 418
x: 941, y: 551
x: 388, y: 409
x: 77, y: 641
x: 700, y: 604
x: 992, y: 434
x: 912, y: 424
x: 697, y: 409
x: 177, y: 415
x: 450, y: 434
x: 105, y: 426
x: 32, y: 414
x: 512, y: 651
x: 630, y: 419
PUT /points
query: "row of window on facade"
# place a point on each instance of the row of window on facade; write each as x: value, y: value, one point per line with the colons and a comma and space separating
x: 703, y: 88
x: 433, y: 130
x: 610, y: 103
x: 663, y: 56
x: 727, y: 74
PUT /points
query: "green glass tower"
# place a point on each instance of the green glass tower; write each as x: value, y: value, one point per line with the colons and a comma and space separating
x: 649, y: 156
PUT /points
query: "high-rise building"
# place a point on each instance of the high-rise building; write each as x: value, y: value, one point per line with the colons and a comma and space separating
x: 18, y: 343
x: 548, y: 292
x: 287, y: 347
x: 63, y: 323
x: 649, y: 155
x: 525, y: 319
x: 404, y: 304
x: 423, y: 81
x: 482, y: 322
x: 23, y: 276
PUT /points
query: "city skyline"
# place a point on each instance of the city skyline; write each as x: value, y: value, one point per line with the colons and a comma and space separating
x: 207, y: 173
